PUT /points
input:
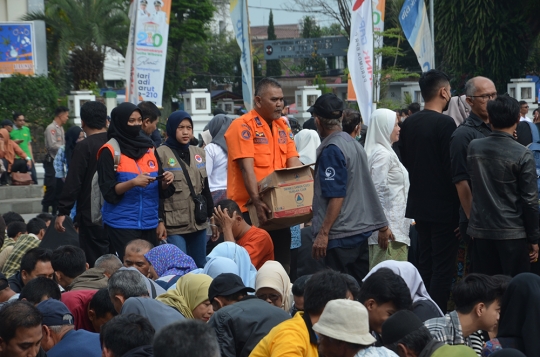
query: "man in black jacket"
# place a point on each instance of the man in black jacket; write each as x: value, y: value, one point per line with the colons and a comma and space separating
x: 78, y: 185
x: 240, y: 320
x: 504, y: 213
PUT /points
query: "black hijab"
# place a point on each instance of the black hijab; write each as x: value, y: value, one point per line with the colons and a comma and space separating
x: 520, y: 312
x: 71, y: 136
x: 132, y: 143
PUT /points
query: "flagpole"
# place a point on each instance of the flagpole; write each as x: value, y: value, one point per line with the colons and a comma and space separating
x: 251, y: 53
x: 431, y: 20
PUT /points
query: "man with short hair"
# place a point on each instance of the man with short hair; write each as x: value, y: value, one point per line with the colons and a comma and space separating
x: 298, y: 293
x: 78, y: 184
x: 54, y: 139
x: 346, y: 208
x: 97, y: 277
x: 21, y: 136
x: 134, y: 255
x: 523, y: 111
x: 68, y: 263
x: 413, y: 108
x: 259, y: 143
x: 198, y: 340
x: 343, y: 331
x: 295, y: 337
x: 405, y: 334
x: 36, y: 230
x: 240, y: 320
x: 126, y: 336
x: 150, y: 115
x: 60, y: 338
x: 504, y: 182
x: 129, y: 294
x: 14, y: 230
x: 20, y: 330
x: 478, y: 305
x: 352, y: 123
x: 229, y: 220
x: 110, y: 263
x: 36, y: 262
x: 90, y: 308
x: 40, y: 289
x: 100, y: 309
x: 433, y: 201
x: 384, y: 293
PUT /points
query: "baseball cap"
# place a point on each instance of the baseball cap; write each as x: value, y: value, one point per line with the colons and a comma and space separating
x: 227, y: 284
x: 6, y: 122
x: 55, y: 313
x: 326, y: 105
x: 400, y: 325
x: 345, y: 320
x: 3, y: 282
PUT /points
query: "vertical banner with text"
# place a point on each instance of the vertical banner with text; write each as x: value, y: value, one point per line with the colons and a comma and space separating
x: 414, y: 22
x: 360, y: 56
x: 240, y: 21
x: 378, y: 28
x: 147, y: 50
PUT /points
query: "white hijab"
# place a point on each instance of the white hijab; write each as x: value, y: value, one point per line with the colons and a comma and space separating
x: 412, y: 278
x: 379, y: 131
x: 307, y: 141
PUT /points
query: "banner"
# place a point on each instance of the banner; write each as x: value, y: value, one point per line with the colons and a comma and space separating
x: 240, y: 21
x: 147, y: 50
x: 414, y: 22
x: 360, y: 56
x: 17, y: 49
x: 378, y: 27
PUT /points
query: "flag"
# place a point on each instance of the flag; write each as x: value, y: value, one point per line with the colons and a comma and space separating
x: 378, y: 27
x: 414, y: 22
x: 147, y: 50
x: 360, y: 56
x: 240, y: 20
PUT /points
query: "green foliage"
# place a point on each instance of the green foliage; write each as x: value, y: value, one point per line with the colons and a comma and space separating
x: 321, y: 84
x: 332, y: 30
x: 314, y: 65
x: 273, y: 67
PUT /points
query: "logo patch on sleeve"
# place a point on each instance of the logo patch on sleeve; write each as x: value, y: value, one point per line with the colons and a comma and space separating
x: 198, y: 158
x: 246, y: 134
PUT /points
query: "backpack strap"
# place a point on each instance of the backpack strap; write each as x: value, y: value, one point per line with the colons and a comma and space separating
x: 117, y: 152
x: 534, y: 132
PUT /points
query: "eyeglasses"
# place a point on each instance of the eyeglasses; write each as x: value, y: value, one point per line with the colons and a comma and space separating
x: 485, y: 97
x: 272, y: 297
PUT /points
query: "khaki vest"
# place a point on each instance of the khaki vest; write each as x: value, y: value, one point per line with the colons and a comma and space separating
x: 179, y: 209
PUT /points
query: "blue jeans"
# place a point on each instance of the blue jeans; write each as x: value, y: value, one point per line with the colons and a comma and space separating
x: 193, y: 244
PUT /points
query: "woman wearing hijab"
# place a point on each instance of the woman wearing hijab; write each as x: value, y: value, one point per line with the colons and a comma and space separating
x: 307, y: 141
x: 240, y: 256
x: 220, y: 265
x: 179, y: 209
x: 131, y: 192
x: 273, y: 285
x: 423, y: 306
x: 216, y: 157
x: 168, y: 264
x: 391, y: 181
x: 520, y: 313
x: 8, y: 149
x: 190, y: 297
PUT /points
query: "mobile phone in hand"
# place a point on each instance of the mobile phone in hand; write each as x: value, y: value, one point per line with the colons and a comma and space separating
x: 160, y: 177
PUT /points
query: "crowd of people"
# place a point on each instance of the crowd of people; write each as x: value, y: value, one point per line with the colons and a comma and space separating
x: 423, y: 242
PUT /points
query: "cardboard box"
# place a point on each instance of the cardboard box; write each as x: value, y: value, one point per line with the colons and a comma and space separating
x: 289, y: 195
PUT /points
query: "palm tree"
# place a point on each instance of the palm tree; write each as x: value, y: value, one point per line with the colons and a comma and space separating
x: 78, y: 33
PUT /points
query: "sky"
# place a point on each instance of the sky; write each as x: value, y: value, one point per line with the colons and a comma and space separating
x: 259, y: 17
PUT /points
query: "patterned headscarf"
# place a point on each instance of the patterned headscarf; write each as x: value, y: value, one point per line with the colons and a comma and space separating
x: 168, y: 259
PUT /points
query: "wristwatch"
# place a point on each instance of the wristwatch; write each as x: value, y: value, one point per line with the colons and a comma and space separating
x: 160, y: 220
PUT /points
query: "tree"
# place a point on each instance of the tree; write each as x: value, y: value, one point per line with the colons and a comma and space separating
x: 273, y: 67
x: 339, y: 10
x: 314, y: 65
x: 78, y: 32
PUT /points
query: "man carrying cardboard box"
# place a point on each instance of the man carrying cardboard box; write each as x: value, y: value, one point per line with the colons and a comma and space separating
x: 346, y: 208
x: 259, y: 143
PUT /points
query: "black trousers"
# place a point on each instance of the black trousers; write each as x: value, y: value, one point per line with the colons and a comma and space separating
x: 119, y: 238
x: 352, y: 261
x: 49, y: 198
x: 507, y: 257
x: 437, y: 252
x: 282, y: 244
x: 93, y: 241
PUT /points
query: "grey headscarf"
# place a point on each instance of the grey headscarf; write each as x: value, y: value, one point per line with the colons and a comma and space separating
x: 218, y: 126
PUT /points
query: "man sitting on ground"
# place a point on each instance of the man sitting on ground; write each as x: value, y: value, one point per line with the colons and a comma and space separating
x: 127, y: 336
x: 129, y: 294
x: 14, y: 231
x: 36, y: 262
x: 256, y: 241
x: 296, y: 336
x: 97, y: 277
x: 40, y: 289
x: 343, y: 330
x: 405, y: 334
x: 90, y: 308
x: 60, y: 338
x: 68, y: 263
x: 5, y: 291
x: 198, y: 340
x: 134, y: 255
x: 20, y: 330
x: 46, y: 217
x: 298, y: 294
x: 477, y: 298
x: 240, y: 320
x: 383, y: 294
x: 36, y: 230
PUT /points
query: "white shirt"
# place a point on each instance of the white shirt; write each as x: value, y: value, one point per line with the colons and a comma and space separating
x: 376, y: 352
x: 391, y: 181
x: 216, y: 167
x: 525, y: 119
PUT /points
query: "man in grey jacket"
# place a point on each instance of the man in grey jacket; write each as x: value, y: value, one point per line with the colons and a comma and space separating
x: 346, y: 209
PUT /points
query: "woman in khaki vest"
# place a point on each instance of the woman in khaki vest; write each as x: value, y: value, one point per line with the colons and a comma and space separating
x: 179, y: 210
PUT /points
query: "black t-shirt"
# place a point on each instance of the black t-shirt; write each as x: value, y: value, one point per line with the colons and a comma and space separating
x: 524, y: 135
